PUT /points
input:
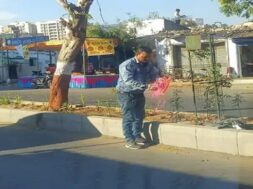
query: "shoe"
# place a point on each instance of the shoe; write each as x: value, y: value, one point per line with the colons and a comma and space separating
x: 140, y: 140
x: 132, y: 145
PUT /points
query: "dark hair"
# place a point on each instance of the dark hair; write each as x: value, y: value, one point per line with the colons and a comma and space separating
x: 177, y: 9
x: 143, y: 49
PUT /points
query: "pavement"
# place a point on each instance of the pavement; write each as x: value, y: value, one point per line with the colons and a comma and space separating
x: 39, y: 158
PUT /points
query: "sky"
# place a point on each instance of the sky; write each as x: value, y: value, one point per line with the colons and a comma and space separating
x: 113, y: 10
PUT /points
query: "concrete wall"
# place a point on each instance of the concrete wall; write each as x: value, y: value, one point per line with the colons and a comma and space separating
x: 197, y: 64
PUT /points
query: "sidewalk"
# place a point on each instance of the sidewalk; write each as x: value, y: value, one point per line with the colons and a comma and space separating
x: 33, y: 158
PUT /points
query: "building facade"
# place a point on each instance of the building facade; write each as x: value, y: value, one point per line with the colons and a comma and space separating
x: 54, y: 29
x: 20, y: 29
x: 11, y: 29
x: 27, y: 28
x: 153, y: 26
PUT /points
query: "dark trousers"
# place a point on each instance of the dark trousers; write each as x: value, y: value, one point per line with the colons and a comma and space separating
x: 133, y: 111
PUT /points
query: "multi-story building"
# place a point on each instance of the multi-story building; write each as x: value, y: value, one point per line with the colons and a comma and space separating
x: 11, y: 29
x: 54, y: 29
x: 20, y: 29
x: 27, y: 28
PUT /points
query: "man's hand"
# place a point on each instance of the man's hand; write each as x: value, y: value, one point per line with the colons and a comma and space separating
x: 144, y: 87
x: 152, y: 87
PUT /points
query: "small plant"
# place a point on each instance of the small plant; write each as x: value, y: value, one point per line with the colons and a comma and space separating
x: 114, y: 101
x: 208, y: 104
x: 99, y: 103
x: 108, y: 106
x: 237, y: 100
x: 18, y: 100
x: 32, y: 105
x: 176, y: 102
x: 45, y: 106
x: 67, y: 107
x: 83, y: 100
x: 4, y: 100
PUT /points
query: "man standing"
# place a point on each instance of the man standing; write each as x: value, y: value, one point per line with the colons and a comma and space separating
x: 177, y: 16
x: 134, y: 76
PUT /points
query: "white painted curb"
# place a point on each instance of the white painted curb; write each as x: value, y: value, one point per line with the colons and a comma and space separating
x: 180, y: 135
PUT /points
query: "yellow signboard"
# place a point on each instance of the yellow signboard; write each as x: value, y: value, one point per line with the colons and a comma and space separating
x: 98, y: 46
x: 54, y: 42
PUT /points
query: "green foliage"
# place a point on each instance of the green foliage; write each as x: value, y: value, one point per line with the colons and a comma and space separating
x: 202, y: 54
x: 17, y: 100
x: 237, y: 100
x: 215, y: 84
x: 4, y: 100
x: 99, y: 103
x: 126, y: 35
x: 242, y: 8
x: 214, y: 80
x: 67, y: 107
x: 95, y: 30
x: 83, y: 100
x: 176, y: 102
x: 118, y: 31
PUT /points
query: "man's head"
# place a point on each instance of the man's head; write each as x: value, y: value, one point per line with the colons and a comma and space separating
x: 143, y: 54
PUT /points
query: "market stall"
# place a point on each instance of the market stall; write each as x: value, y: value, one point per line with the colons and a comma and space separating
x: 102, y: 68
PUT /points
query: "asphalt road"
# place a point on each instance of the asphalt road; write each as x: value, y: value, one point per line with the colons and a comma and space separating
x: 32, y: 158
x: 105, y: 95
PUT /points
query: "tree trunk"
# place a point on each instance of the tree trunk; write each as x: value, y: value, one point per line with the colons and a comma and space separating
x: 59, y: 91
x: 64, y: 67
x: 71, y: 46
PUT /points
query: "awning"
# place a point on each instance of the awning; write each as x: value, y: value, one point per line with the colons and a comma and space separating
x: 100, y: 46
x: 243, y: 41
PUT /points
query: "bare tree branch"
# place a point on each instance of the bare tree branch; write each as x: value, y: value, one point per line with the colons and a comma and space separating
x: 84, y: 4
x: 79, y: 16
x: 65, y: 23
x: 64, y: 4
x: 71, y: 8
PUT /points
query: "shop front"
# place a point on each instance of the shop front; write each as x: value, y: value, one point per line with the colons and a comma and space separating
x: 102, y: 64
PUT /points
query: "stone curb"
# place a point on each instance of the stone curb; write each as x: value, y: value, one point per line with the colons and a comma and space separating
x: 180, y: 135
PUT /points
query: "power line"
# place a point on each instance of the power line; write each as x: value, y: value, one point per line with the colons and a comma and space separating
x: 100, y: 12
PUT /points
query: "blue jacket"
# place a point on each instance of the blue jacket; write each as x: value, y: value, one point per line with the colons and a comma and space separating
x: 134, y: 77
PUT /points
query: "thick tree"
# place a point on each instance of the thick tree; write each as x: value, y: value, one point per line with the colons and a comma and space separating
x: 76, y: 26
x: 242, y: 8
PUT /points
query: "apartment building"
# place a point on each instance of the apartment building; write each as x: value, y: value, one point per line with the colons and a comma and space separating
x: 27, y: 28
x: 20, y: 29
x: 53, y: 29
x: 11, y: 29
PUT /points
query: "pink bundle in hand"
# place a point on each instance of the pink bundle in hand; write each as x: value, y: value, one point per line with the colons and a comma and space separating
x: 160, y: 86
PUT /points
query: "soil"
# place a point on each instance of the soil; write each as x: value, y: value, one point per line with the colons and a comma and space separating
x: 151, y: 115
